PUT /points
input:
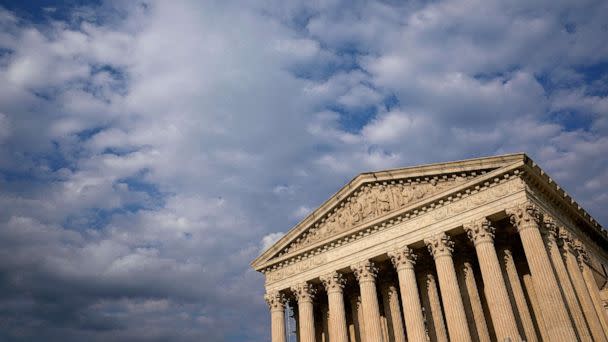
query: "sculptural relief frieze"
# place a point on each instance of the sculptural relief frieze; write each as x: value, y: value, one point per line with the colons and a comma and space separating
x: 370, y: 202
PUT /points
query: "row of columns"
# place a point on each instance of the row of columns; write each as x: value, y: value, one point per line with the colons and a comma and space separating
x: 563, y: 313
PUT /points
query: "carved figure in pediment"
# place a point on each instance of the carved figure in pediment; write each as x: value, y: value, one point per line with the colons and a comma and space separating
x: 325, y: 229
x: 356, y: 210
x: 332, y: 225
x: 404, y: 196
x: 396, y: 194
x: 419, y: 191
x: 384, y: 200
x: 344, y: 219
x: 369, y: 202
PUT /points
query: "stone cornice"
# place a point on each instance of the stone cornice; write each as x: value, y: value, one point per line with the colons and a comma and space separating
x: 557, y: 196
x: 437, y: 201
x: 562, y: 207
x: 424, y: 171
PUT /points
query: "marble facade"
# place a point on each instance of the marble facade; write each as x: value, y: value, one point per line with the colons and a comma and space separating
x: 487, y: 249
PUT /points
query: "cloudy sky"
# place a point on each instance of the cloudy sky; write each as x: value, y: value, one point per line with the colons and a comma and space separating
x: 150, y: 150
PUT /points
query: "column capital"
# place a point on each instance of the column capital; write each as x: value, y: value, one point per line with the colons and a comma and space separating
x: 333, y: 282
x: 403, y: 258
x: 275, y: 300
x: 304, y: 292
x: 480, y: 231
x: 550, y: 231
x: 551, y: 226
x: 525, y: 215
x: 440, y: 245
x: 566, y: 239
x: 581, y: 251
x: 365, y: 271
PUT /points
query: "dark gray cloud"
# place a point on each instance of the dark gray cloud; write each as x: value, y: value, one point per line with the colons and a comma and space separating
x: 148, y: 152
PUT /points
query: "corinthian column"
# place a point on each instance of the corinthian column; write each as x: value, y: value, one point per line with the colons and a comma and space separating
x: 432, y: 307
x: 357, y: 315
x: 472, y: 301
x: 551, y: 234
x: 583, y: 259
x: 305, y: 294
x: 392, y: 311
x: 366, y: 272
x: 593, y: 321
x: 525, y: 218
x: 517, y: 291
x: 276, y: 303
x: 404, y: 260
x: 334, y: 285
x: 481, y: 233
x: 441, y: 247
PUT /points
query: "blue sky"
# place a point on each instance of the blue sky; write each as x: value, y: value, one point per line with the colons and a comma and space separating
x: 150, y: 150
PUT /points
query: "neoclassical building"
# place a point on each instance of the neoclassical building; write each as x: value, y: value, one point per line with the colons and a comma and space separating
x: 488, y: 249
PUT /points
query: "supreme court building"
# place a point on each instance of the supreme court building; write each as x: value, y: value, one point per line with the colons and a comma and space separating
x: 488, y: 249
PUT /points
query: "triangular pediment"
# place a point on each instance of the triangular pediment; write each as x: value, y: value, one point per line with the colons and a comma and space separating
x: 370, y: 196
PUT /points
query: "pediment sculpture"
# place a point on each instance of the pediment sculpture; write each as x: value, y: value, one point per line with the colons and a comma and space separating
x: 369, y: 202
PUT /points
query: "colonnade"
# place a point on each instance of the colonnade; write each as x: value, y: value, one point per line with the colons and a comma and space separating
x: 532, y: 284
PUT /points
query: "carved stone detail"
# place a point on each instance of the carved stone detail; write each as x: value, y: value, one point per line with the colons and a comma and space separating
x: 296, y: 268
x: 403, y: 257
x: 566, y: 240
x: 276, y: 301
x: 581, y: 251
x: 333, y: 281
x: 551, y: 230
x: 365, y: 271
x: 440, y: 245
x: 304, y: 292
x: 480, y: 231
x: 371, y: 201
x: 525, y: 215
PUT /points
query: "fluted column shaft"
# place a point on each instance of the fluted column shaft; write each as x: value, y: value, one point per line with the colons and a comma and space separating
x: 357, y: 316
x: 557, y: 322
x: 324, y: 323
x: 477, y: 319
x: 535, y: 306
x: 432, y: 307
x: 551, y: 235
x: 276, y: 303
x: 404, y: 260
x: 481, y: 234
x: 390, y: 297
x: 583, y: 259
x: 304, y: 294
x: 515, y: 288
x: 441, y: 248
x: 334, y: 285
x: 366, y: 272
x: 584, y: 297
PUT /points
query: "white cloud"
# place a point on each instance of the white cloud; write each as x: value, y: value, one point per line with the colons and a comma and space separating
x: 388, y: 128
x: 270, y: 239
